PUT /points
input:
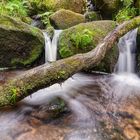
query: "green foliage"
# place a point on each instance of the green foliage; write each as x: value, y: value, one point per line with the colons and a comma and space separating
x: 45, y: 18
x: 65, y: 52
x: 127, y: 12
x: 127, y: 2
x: 82, y: 40
x: 14, y: 95
x: 13, y: 8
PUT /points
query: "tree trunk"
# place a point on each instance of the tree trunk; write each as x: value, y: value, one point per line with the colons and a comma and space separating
x: 49, y: 74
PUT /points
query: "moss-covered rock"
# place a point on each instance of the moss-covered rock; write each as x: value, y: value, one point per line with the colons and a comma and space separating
x: 92, y: 16
x: 37, y: 6
x: 20, y: 44
x: 64, y: 19
x: 84, y: 37
x: 108, y: 8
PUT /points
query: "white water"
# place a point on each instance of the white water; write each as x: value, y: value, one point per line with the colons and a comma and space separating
x: 51, y: 46
x: 125, y: 82
x: 127, y: 49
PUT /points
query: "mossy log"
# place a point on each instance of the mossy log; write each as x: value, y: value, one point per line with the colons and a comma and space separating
x: 49, y: 74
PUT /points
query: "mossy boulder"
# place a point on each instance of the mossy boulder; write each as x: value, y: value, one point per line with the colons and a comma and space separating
x: 84, y: 37
x: 20, y: 44
x: 64, y: 19
x: 37, y: 6
x: 108, y: 8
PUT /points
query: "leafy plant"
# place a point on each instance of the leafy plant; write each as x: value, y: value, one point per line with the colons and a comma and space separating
x: 127, y: 12
x: 13, y: 8
x: 45, y: 18
x: 82, y: 40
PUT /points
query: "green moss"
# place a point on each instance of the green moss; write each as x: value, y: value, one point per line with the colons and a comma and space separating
x: 14, y: 94
x: 82, y: 40
x: 65, y: 52
x: 25, y: 43
x: 33, y: 55
x: 64, y: 19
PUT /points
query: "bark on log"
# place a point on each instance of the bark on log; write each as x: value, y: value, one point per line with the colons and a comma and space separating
x: 46, y: 75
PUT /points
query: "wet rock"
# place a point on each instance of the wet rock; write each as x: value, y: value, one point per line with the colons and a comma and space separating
x: 20, y: 44
x: 84, y: 37
x: 107, y: 7
x: 64, y: 19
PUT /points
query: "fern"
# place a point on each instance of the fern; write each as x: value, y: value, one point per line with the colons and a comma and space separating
x: 13, y: 8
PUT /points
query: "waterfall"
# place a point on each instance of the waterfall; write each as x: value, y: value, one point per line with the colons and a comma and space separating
x: 127, y: 49
x: 125, y: 82
x: 51, y: 46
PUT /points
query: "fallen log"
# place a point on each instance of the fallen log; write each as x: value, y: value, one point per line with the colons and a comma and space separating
x: 49, y: 74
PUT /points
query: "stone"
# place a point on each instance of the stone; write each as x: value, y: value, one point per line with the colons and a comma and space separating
x: 20, y: 44
x: 108, y: 8
x: 64, y: 19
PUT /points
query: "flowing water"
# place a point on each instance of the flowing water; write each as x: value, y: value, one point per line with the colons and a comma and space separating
x: 84, y: 107
x: 51, y: 46
x: 127, y: 56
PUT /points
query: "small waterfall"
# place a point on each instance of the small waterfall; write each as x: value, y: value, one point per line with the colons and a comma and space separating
x: 51, y: 46
x: 127, y: 49
x: 125, y: 82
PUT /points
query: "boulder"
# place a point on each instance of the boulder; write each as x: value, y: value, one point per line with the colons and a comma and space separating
x: 108, y: 8
x: 78, y: 6
x: 64, y: 19
x: 20, y: 44
x: 84, y: 37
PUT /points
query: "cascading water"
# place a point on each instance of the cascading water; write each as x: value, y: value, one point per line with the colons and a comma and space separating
x: 125, y: 82
x: 127, y: 49
x: 51, y: 46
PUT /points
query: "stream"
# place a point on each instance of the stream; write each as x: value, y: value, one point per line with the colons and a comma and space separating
x: 92, y: 111
x: 84, y: 107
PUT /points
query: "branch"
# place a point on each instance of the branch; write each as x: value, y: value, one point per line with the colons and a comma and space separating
x: 49, y: 74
